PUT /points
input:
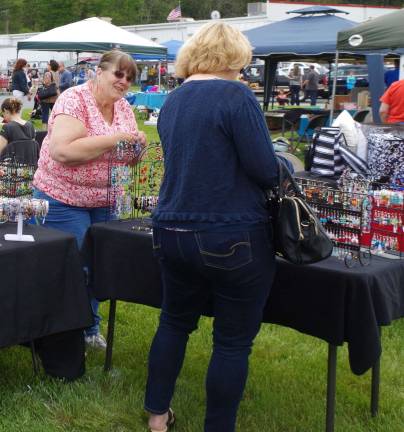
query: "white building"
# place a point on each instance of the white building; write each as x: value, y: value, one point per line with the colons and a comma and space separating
x: 258, y: 14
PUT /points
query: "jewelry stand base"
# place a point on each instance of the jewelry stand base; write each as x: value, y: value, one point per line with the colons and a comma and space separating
x: 19, y: 236
x: 16, y: 237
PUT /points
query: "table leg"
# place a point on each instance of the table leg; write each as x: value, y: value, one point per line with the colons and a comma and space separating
x: 374, y: 397
x: 331, y: 386
x: 34, y: 358
x: 110, y: 335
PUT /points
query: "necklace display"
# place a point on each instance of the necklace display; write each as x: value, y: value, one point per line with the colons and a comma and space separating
x: 133, y: 190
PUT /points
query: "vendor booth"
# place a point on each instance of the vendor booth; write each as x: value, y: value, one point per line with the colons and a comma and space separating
x: 312, y: 35
x: 363, y: 291
x: 383, y: 35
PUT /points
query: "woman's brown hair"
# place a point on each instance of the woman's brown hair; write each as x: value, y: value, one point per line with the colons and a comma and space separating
x: 123, y: 61
x: 54, y: 65
x: 12, y: 105
x: 19, y: 64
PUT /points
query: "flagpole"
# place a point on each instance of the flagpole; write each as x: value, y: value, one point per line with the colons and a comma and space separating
x: 176, y: 27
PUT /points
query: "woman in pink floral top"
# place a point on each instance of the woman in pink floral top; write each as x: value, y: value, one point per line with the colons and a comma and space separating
x: 86, y: 123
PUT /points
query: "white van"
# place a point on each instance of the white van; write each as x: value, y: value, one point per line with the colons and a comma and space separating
x: 285, y: 68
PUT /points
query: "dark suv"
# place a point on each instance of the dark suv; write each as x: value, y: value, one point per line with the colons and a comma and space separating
x: 360, y: 72
x: 254, y: 73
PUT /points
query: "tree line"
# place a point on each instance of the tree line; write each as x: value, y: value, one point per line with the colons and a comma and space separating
x: 22, y: 16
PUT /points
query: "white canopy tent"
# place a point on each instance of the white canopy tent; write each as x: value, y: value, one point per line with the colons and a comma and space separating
x: 90, y: 35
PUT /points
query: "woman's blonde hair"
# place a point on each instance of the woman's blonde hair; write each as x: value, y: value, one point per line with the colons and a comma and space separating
x: 216, y: 47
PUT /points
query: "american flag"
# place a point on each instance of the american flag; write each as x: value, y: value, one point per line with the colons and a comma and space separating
x: 174, y: 14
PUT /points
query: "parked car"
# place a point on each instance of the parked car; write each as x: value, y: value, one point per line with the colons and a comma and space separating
x: 360, y: 72
x: 283, y: 80
x: 286, y: 68
x: 254, y: 73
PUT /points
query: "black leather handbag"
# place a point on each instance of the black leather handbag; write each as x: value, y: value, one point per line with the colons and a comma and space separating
x: 47, y: 92
x: 299, y: 236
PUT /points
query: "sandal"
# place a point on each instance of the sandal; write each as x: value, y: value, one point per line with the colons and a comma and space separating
x: 170, y: 422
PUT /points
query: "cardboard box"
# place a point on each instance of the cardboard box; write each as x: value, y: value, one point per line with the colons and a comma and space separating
x: 363, y: 99
x: 339, y: 100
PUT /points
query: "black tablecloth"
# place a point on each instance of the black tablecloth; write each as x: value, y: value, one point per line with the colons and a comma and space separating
x: 325, y: 300
x: 42, y: 289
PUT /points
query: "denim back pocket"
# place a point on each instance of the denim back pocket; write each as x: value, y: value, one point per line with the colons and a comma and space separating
x: 226, y: 251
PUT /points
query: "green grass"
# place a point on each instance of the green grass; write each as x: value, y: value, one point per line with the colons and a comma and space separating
x: 285, y: 390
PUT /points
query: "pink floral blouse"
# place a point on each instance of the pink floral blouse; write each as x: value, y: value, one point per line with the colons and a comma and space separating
x: 82, y: 185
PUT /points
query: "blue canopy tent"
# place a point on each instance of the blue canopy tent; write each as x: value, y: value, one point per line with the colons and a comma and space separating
x: 311, y: 35
x: 172, y: 46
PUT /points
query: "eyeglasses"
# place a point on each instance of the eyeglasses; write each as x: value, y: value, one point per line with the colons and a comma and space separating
x: 120, y: 74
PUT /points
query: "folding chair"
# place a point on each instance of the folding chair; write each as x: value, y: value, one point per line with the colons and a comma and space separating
x: 292, y: 119
x: 316, y: 121
x: 360, y: 116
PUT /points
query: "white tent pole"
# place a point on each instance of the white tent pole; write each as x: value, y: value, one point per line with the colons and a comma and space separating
x: 334, y: 87
x: 401, y: 71
x: 159, y: 76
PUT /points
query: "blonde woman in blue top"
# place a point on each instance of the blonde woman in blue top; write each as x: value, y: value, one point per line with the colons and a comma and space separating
x: 211, y: 231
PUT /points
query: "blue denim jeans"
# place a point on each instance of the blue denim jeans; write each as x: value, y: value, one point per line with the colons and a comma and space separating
x: 75, y: 220
x: 312, y: 94
x: 294, y: 96
x: 234, y: 270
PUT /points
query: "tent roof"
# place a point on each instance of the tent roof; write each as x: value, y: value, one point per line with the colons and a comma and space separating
x: 92, y: 35
x: 172, y: 49
x: 382, y: 33
x: 317, y: 10
x: 314, y: 35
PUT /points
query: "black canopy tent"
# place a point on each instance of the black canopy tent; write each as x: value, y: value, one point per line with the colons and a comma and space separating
x: 312, y: 36
x: 383, y: 35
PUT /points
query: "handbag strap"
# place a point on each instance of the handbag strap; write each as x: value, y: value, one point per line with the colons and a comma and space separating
x: 285, y: 177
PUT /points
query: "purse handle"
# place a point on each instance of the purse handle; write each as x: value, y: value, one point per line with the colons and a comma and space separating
x: 285, y: 177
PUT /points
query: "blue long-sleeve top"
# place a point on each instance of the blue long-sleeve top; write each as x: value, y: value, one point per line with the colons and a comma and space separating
x: 65, y: 81
x: 218, y: 156
x: 19, y: 81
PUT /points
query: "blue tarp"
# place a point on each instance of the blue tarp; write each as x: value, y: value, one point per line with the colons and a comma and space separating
x: 301, y: 35
x: 172, y: 49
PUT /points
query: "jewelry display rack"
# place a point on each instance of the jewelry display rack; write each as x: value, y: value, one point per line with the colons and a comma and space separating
x: 387, y: 221
x: 16, y: 204
x: 344, y: 213
x: 133, y: 188
x: 15, y: 179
